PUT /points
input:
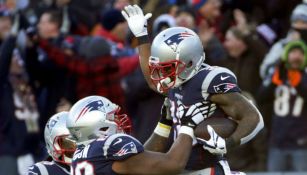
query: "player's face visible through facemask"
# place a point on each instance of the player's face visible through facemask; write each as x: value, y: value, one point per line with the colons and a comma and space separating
x: 164, y: 75
x: 67, y: 146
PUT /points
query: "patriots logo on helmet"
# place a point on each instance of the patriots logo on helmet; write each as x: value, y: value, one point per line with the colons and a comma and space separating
x: 94, y: 105
x: 176, y: 39
x: 127, y: 149
x: 224, y: 87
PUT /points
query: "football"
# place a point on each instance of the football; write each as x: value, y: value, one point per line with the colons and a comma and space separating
x: 223, y: 126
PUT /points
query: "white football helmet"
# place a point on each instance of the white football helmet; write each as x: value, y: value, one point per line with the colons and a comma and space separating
x: 176, y: 56
x: 93, y: 117
x: 58, y: 147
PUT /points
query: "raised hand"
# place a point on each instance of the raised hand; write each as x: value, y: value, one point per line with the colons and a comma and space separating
x: 136, y: 20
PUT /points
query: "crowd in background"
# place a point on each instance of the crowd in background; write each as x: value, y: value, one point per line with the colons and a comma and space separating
x: 54, y: 52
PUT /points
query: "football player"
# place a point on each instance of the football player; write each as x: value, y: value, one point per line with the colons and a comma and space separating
x: 103, y: 149
x: 174, y: 65
x: 60, y: 149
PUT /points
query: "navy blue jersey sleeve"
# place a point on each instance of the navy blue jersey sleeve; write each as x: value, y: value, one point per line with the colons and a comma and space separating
x: 220, y: 80
x: 121, y: 146
x: 34, y: 170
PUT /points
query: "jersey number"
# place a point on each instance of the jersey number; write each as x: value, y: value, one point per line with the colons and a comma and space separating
x: 84, y: 168
x: 282, y: 102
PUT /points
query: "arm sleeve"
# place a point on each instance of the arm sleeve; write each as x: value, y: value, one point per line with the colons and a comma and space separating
x: 121, y: 146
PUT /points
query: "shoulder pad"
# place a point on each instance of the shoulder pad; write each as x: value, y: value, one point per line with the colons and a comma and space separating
x: 38, y: 169
x: 220, y: 80
x: 121, y: 146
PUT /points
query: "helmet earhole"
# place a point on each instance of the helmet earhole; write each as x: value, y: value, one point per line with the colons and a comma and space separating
x: 189, y: 64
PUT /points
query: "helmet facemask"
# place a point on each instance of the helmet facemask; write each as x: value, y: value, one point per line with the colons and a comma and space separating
x: 165, y: 75
x: 122, y: 121
x: 63, y: 149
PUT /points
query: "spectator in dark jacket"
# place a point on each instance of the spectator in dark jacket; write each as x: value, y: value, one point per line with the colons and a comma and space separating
x: 245, y: 54
x: 19, y: 113
x: 113, y: 27
x: 52, y: 81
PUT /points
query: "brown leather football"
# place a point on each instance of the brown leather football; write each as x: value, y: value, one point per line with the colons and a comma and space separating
x: 223, y: 126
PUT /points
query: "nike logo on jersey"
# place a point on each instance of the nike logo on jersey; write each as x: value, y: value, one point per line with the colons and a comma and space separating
x: 118, y: 141
x: 224, y: 78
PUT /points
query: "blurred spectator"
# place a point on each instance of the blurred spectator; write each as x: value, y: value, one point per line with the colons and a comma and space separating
x: 286, y: 88
x: 215, y: 52
x: 208, y: 10
x: 99, y: 75
x: 53, y: 82
x: 113, y: 27
x: 5, y: 23
x: 163, y: 22
x: 207, y: 13
x: 19, y: 111
x: 186, y: 18
x: 298, y: 30
x: 245, y: 54
x: 267, y: 34
x: 120, y: 4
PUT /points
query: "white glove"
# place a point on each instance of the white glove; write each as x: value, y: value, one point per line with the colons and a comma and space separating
x: 190, y: 116
x: 216, y: 144
x: 136, y: 20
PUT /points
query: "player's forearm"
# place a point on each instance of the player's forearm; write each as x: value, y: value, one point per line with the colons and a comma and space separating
x: 144, y: 52
x: 156, y: 143
x: 179, y: 153
x: 250, y: 124
x: 247, y: 116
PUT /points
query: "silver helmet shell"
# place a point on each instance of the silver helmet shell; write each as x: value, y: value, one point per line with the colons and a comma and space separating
x: 93, y: 117
x: 176, y: 56
x: 55, y: 130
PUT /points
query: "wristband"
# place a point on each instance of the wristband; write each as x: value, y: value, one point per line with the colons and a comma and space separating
x: 162, y: 130
x: 143, y: 39
x: 187, y: 130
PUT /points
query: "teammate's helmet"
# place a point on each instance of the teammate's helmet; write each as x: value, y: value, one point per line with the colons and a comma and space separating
x: 176, y: 56
x: 93, y: 117
x: 56, y: 134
